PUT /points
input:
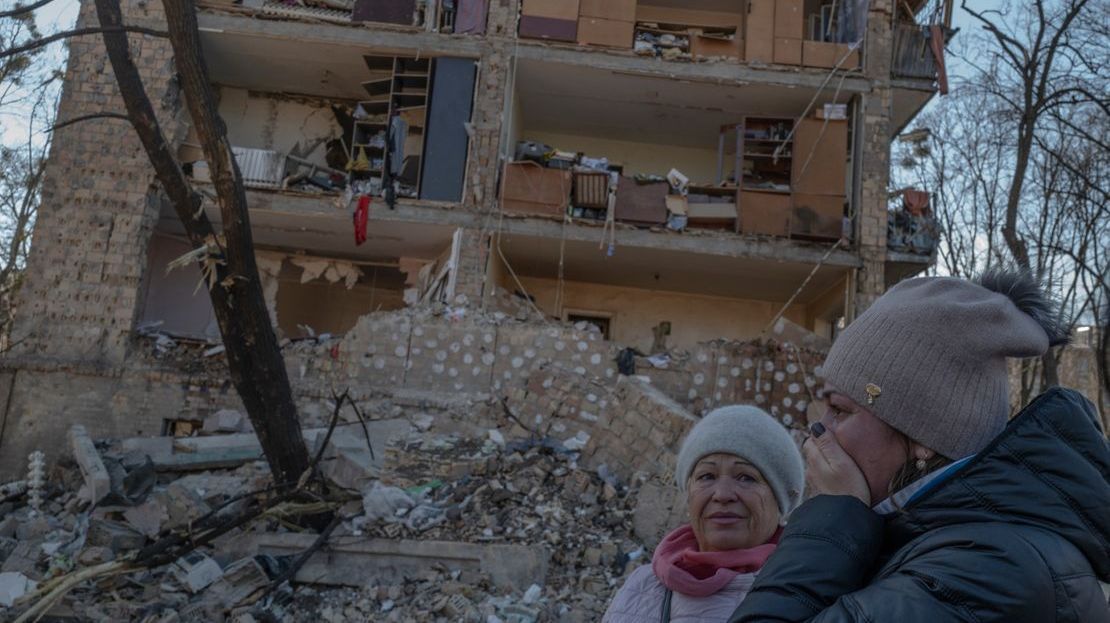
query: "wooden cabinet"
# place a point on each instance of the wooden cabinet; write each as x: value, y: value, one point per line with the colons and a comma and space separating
x: 759, y: 42
x: 820, y: 157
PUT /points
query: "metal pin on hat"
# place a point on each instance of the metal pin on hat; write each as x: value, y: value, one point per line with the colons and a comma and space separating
x: 873, y: 392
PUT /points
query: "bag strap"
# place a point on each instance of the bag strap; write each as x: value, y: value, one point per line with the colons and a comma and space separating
x: 665, y: 616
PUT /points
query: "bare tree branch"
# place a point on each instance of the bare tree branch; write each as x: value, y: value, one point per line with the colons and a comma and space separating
x: 77, y: 32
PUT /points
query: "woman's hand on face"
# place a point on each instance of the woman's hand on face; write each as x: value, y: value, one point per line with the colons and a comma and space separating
x: 829, y: 469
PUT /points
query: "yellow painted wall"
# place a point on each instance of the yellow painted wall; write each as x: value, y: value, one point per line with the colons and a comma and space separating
x: 700, y: 165
x: 636, y: 311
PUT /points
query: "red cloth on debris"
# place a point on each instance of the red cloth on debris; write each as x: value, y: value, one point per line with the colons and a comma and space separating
x: 362, y: 215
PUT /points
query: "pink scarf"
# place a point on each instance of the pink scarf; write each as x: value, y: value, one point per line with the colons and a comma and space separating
x: 681, y: 567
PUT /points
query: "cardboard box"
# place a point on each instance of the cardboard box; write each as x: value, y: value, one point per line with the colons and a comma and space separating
x: 759, y: 37
x: 528, y: 188
x: 789, y: 21
x: 677, y: 205
x: 826, y: 55
x: 553, y: 9
x: 827, y: 141
x: 605, y: 32
x: 788, y: 51
x: 708, y: 46
x: 548, y: 28
x: 620, y: 10
x: 817, y: 216
x: 764, y: 213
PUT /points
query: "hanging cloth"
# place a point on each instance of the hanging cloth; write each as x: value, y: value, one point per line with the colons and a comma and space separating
x: 361, y: 217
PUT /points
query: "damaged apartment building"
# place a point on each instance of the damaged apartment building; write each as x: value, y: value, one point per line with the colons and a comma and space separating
x: 447, y: 196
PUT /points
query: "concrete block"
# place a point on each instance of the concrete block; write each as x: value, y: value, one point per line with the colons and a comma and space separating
x: 97, y: 482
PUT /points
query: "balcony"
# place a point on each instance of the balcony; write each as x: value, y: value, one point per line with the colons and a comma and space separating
x: 760, y: 33
x: 677, y: 155
x: 441, y: 16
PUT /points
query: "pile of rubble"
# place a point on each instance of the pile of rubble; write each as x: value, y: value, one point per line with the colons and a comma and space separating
x: 433, y: 526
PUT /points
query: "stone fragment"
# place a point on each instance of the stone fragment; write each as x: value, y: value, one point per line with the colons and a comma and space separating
x: 196, y: 571
x: 147, y: 518
x: 226, y: 421
x: 95, y: 555
x: 13, y: 586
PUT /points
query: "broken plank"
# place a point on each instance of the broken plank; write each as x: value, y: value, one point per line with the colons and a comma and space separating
x: 358, y: 561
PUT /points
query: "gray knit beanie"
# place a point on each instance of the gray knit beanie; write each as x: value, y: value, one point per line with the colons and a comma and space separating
x: 929, y: 356
x: 751, y: 434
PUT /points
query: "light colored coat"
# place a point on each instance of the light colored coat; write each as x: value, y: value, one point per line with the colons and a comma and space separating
x: 640, y: 600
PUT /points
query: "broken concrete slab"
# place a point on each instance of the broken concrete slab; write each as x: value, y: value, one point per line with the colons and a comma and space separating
x: 357, y: 561
x: 97, y: 481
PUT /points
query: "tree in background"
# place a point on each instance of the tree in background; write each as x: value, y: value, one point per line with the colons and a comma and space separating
x: 28, y: 101
x: 1018, y: 154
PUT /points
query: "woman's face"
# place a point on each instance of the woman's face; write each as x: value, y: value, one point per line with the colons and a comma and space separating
x: 731, y: 505
x: 878, y: 449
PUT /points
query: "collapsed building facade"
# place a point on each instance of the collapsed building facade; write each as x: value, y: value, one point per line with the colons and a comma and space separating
x: 469, y: 202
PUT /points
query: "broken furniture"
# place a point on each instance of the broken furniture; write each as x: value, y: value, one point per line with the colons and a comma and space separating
x: 641, y: 204
x: 818, y: 178
x: 712, y: 207
x: 530, y: 189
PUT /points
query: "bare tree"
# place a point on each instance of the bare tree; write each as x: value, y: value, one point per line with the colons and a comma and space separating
x: 254, y: 359
x: 1017, y: 162
x: 28, y: 82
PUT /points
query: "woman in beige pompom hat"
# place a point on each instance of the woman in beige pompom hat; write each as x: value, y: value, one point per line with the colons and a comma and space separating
x: 929, y: 504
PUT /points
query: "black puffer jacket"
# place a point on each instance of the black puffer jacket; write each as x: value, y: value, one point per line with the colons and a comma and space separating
x: 1021, y: 533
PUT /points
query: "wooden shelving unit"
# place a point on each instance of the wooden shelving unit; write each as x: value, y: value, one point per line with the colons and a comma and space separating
x: 404, y: 93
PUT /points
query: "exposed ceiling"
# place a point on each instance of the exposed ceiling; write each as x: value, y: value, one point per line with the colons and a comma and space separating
x: 673, y: 271
x: 624, y: 106
x: 907, y: 103
x: 278, y: 66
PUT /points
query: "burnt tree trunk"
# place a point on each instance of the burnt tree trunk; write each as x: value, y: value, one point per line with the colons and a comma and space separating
x: 254, y: 359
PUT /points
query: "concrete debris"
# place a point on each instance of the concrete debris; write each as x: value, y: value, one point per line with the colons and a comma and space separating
x: 454, y: 521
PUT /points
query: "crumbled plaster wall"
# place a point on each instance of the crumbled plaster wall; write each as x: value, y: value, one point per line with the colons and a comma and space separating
x: 280, y: 123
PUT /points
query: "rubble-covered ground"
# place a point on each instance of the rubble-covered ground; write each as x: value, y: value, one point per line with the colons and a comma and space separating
x: 443, y: 527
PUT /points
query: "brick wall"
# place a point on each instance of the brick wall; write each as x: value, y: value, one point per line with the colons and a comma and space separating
x: 85, y: 269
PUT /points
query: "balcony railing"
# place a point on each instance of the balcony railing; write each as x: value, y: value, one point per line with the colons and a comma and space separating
x: 913, y: 58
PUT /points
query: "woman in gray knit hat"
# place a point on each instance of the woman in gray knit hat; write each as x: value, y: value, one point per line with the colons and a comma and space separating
x: 742, y: 475
x: 930, y: 504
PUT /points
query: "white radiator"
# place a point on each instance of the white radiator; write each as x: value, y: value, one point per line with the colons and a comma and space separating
x: 261, y: 168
